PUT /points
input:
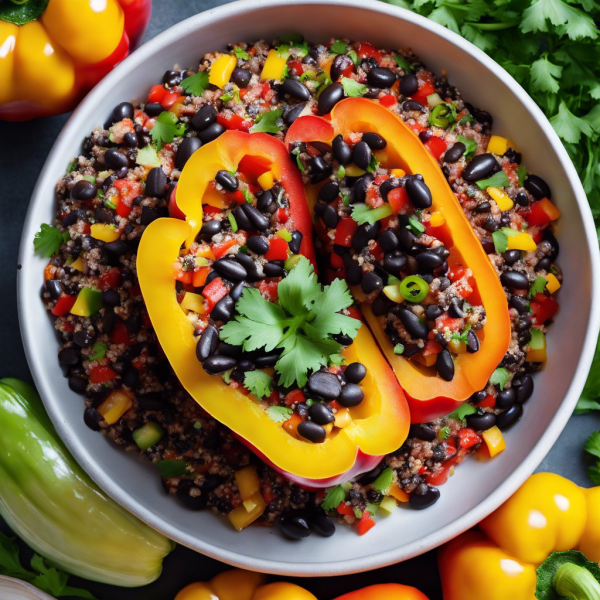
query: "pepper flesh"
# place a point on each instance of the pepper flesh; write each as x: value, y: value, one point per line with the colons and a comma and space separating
x: 429, y: 397
x: 547, y: 514
x: 380, y: 422
x: 48, y: 64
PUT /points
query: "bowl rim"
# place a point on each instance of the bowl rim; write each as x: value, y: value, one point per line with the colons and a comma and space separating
x: 375, y: 560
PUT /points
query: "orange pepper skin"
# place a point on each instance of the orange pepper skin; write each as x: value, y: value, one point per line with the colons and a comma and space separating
x: 380, y: 422
x: 385, y: 591
x: 47, y: 64
x: 428, y: 397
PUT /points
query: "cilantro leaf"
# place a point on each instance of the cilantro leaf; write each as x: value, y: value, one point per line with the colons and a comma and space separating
x: 259, y: 383
x: 352, y: 88
x: 334, y: 497
x: 462, y: 336
x: 568, y: 126
x: 99, y: 351
x: 279, y: 414
x: 403, y: 63
x: 585, y: 405
x: 362, y: 213
x: 338, y: 47
x: 557, y: 12
x: 241, y: 54
x: 500, y: 238
x: 269, y: 122
x: 165, y: 129
x: 462, y: 411
x: 470, y: 146
x: 522, y: 174
x: 500, y: 377
x: 384, y: 481
x: 47, y: 241
x: 53, y: 581
x: 10, y: 563
x: 545, y: 75
x: 196, y: 84
x: 499, y: 180
x: 538, y: 286
x: 594, y: 474
x: 171, y: 468
x: 592, y: 445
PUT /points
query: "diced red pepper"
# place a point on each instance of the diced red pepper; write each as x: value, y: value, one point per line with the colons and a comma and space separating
x: 210, y: 211
x: 220, y: 250
x: 110, y: 279
x: 336, y: 261
x: 214, y: 291
x: 199, y: 276
x: 488, y: 402
x: 128, y: 191
x: 345, y: 509
x: 157, y: 93
x: 294, y: 397
x: 432, y: 347
x: 345, y: 231
x: 295, y: 67
x: 63, y: 305
x: 366, y: 50
x: 377, y: 252
x: 399, y: 201
x: 468, y: 438
x: 541, y: 213
x: 120, y: 335
x: 269, y: 290
x: 436, y: 146
x: 442, y: 476
x: 365, y: 524
x: 282, y: 215
x: 426, y: 87
x: 123, y: 210
x: 543, y: 308
x: 181, y: 275
x: 388, y: 100
x: 278, y: 249
x: 231, y: 121
x: 444, y: 321
x: 102, y: 374
x: 169, y: 99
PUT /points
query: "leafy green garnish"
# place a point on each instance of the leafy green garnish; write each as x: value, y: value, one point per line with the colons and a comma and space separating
x: 592, y: 446
x: 196, y: 84
x: 269, y: 122
x: 232, y: 222
x: 463, y: 335
x: 171, y: 468
x: 148, y: 157
x: 99, y: 351
x: 522, y: 173
x: 335, y: 496
x: 72, y: 166
x: 166, y: 128
x: 48, y: 239
x: 470, y: 146
x: 415, y: 226
x: 498, y: 180
x: 362, y: 213
x: 462, y: 411
x: 352, y: 88
x: 500, y: 377
x: 279, y: 414
x: 248, y: 195
x: 538, y: 286
x: 444, y: 433
x: 259, y: 383
x: 301, y: 48
x: 373, y: 164
x: 466, y: 119
x: 500, y: 238
x: 384, y: 481
x: 403, y: 63
x: 338, y: 47
x: 241, y: 54
x: 296, y: 152
x: 302, y: 324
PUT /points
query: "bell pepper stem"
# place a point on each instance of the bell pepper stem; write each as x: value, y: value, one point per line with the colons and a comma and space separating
x: 574, y: 581
x: 19, y: 1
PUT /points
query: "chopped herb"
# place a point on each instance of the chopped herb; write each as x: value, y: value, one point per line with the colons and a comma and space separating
x: 466, y: 119
x: 470, y: 146
x: 241, y: 54
x: 462, y: 411
x: 248, y: 195
x: 227, y: 376
x: 166, y: 128
x: 334, y: 497
x: 398, y: 349
x: 499, y: 180
x: 392, y: 280
x: 362, y: 213
x: 352, y: 88
x: 345, y: 198
x: 269, y: 122
x: 470, y: 192
x: 444, y: 433
x: 99, y: 351
x: 338, y: 47
x: 352, y: 54
x: 72, y: 166
x: 415, y: 226
x: 500, y: 377
x: 108, y: 202
x: 197, y: 425
x: 99, y: 194
x: 522, y: 173
x: 196, y: 84
x: 233, y: 222
x: 384, y: 481
x: 461, y: 337
x: 373, y: 164
x: 357, y: 513
x: 259, y: 383
x: 296, y: 152
x: 226, y: 98
x: 500, y: 238
x: 403, y: 63
x: 312, y: 75
x: 337, y: 359
x: 279, y: 414
x: 171, y: 468
x: 538, y: 286
x: 47, y: 240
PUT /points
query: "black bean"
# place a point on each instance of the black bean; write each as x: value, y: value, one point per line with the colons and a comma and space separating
x: 55, y: 288
x: 329, y: 97
x: 207, y: 344
x: 555, y: 248
x: 382, y: 305
x: 325, y: 385
x: 218, y: 363
x: 294, y: 244
x: 210, y: 229
x: 523, y: 391
x: 111, y: 298
x: 429, y: 260
x: 211, y: 132
x: 156, y: 183
x: 293, y: 112
x: 264, y: 201
x: 505, y: 399
x: 351, y: 395
x: 104, y: 215
x: 173, y: 78
x: 354, y: 274
x: 78, y: 383
x: 340, y: 63
x: 230, y: 269
x: 422, y: 432
x: 134, y: 323
x: 481, y: 422
x: 295, y: 88
x: 273, y: 270
x: 484, y: 207
x: 226, y: 180
x: 330, y: 217
x: 207, y: 115
x: 421, y: 501
x: 355, y: 372
x: 266, y: 360
x: 454, y: 153
x: 236, y: 291
x: 318, y: 165
x: 131, y: 377
x: 394, y: 262
x: 455, y: 309
x: 241, y: 77
x: 295, y: 527
x: 371, y: 282
x: 321, y: 413
x: 312, y: 432
x: 131, y: 140
x: 363, y: 234
x: 507, y: 419
x: 478, y: 397
x: 480, y: 167
x: 418, y: 192
x: 260, y: 221
x: 374, y: 140
x: 413, y: 325
x: 320, y: 522
x: 441, y: 251
x: 388, y: 240
x: 258, y: 244
x: 73, y: 217
x: 409, y: 105
x: 114, y: 159
x: 388, y: 185
x: 409, y: 85
x: 341, y: 152
x: 108, y: 320
x: 359, y: 191
x: 121, y: 111
x: 241, y: 368
x: 362, y: 155
x: 321, y: 147
x: 544, y: 264
x: 83, y: 190
x: 433, y: 311
x: 381, y: 77
x: 252, y: 268
x: 69, y: 356
x: 185, y: 151
x: 117, y: 248
x: 92, y: 418
x: 472, y: 342
x: 520, y: 304
x: 229, y: 350
x: 445, y: 365
x: 153, y: 109
x: 83, y: 339
x: 537, y: 187
x: 511, y: 257
x: 515, y: 280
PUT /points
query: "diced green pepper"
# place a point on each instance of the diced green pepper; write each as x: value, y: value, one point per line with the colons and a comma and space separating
x: 291, y: 262
x: 88, y: 302
x: 148, y: 435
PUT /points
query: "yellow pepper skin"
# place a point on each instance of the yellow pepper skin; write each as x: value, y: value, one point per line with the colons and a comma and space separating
x: 547, y: 514
x: 47, y: 62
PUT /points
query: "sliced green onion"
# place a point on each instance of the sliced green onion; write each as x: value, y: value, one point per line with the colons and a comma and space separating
x: 434, y: 99
x: 284, y: 234
x: 110, y: 204
x: 234, y: 225
x: 291, y: 261
x: 414, y: 289
x: 416, y: 226
x: 341, y: 172
x: 89, y: 178
x: 440, y: 116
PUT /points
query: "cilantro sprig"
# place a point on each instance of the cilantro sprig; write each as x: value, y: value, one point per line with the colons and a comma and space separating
x: 195, y: 84
x: 48, y: 239
x: 166, y: 128
x: 269, y: 122
x: 302, y: 324
x: 259, y: 383
x: 335, y: 496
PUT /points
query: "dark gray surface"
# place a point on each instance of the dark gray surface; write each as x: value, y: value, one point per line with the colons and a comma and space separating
x: 23, y: 150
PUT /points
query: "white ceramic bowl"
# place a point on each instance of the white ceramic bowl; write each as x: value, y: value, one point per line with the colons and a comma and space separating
x: 477, y: 488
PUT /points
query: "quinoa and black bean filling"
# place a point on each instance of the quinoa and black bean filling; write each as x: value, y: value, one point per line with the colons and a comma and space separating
x: 124, y: 178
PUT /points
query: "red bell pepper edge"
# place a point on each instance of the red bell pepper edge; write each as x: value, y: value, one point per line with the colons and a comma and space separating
x: 137, y: 16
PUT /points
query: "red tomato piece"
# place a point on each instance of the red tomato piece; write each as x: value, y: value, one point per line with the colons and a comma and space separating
x: 436, y: 146
x: 388, y: 100
x: 157, y: 93
x: 345, y: 231
x: 231, y: 121
x: 366, y: 50
x: 269, y: 290
x: 63, y: 305
x: 468, y: 438
x: 214, y: 291
x: 278, y: 249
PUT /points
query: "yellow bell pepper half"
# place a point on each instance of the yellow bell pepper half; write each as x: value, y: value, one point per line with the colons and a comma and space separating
x: 547, y: 514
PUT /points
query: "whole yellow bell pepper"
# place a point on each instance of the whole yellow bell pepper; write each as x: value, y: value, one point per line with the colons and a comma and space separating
x: 547, y: 514
x: 244, y: 585
x: 47, y: 59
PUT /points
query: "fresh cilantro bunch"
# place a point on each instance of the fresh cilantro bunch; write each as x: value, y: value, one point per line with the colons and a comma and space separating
x: 302, y: 324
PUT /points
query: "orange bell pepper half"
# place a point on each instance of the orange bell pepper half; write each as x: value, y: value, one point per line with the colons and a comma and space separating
x: 380, y: 422
x: 429, y: 396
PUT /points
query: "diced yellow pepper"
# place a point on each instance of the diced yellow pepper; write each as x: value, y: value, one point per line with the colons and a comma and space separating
x: 397, y: 173
x: 536, y: 349
x: 342, y: 418
x: 326, y: 65
x: 398, y: 493
x: 274, y: 66
x: 193, y: 302
x: 553, y: 284
x: 266, y: 180
x: 354, y: 171
x: 105, y: 232
x: 437, y: 219
x: 521, y: 241
x: 328, y: 428
x: 247, y: 482
x: 494, y: 440
x: 115, y: 406
x: 393, y: 293
x: 457, y: 346
x: 88, y: 302
x: 77, y: 264
x: 497, y: 145
x: 241, y: 518
x: 388, y: 506
x: 511, y: 144
x: 426, y: 361
x: 284, y: 234
x: 502, y: 199
x: 221, y: 70
x: 205, y: 251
